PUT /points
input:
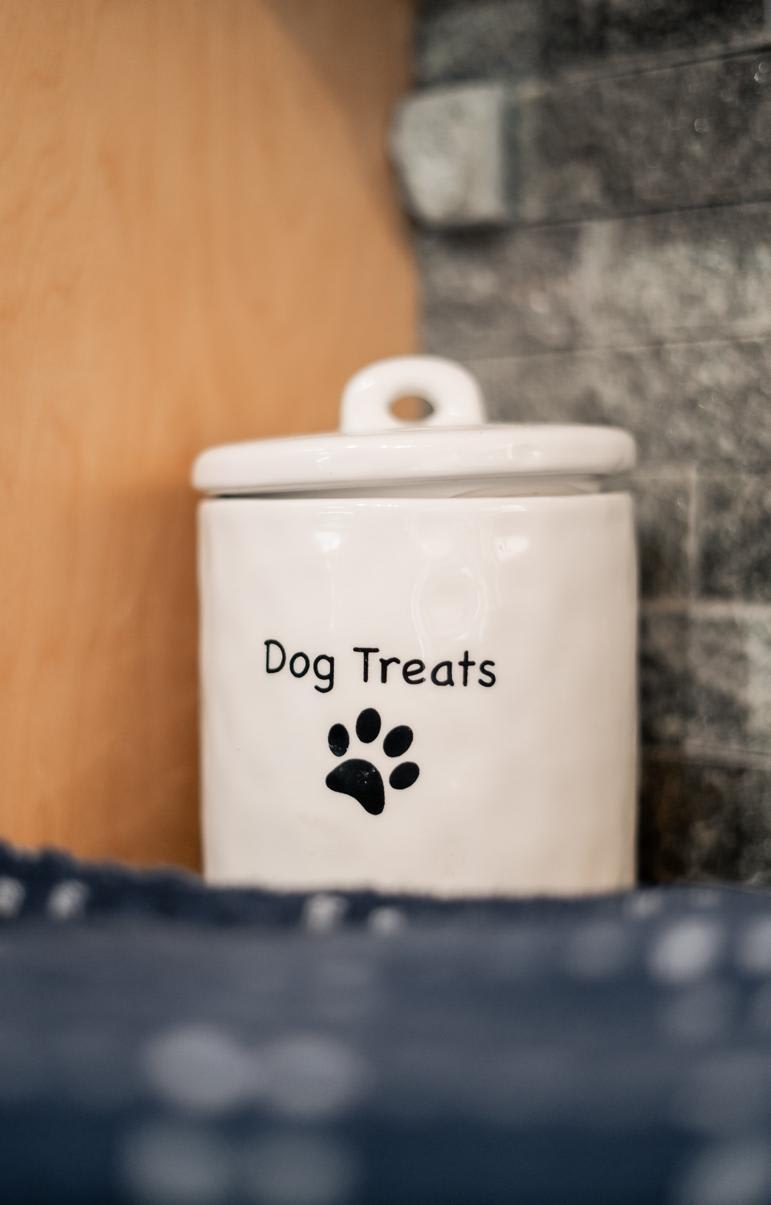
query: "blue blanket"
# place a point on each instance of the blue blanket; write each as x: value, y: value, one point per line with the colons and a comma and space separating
x: 169, y: 1044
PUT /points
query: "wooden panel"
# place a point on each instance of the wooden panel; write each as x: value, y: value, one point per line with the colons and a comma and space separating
x: 199, y: 241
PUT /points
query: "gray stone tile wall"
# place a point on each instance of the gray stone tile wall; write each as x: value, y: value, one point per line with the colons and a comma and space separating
x: 665, y: 503
x: 665, y: 278
x: 691, y: 135
x: 734, y: 536
x: 529, y: 39
x: 705, y: 820
x: 627, y: 280
x: 705, y: 678
x: 706, y: 403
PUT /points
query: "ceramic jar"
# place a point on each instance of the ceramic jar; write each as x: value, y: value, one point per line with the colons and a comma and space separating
x: 418, y: 650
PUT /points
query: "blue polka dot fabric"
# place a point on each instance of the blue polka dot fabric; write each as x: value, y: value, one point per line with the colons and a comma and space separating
x: 166, y: 1044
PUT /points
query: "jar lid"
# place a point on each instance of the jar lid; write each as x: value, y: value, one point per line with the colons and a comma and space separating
x: 449, y: 452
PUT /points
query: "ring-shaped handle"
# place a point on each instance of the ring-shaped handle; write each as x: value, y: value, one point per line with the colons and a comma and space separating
x: 453, y: 392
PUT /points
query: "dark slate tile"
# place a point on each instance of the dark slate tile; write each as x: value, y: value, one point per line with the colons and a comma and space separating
x: 458, y: 40
x: 697, y: 134
x: 518, y: 39
x: 733, y: 533
x: 633, y: 27
x: 701, y: 403
x: 729, y: 669
x: 705, y: 821
x: 705, y: 679
x: 695, y: 275
x: 487, y: 294
x: 663, y: 508
x: 663, y: 670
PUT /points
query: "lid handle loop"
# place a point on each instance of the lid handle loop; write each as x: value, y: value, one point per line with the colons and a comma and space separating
x: 453, y: 392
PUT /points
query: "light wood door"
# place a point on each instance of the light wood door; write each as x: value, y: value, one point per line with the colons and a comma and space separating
x: 199, y: 241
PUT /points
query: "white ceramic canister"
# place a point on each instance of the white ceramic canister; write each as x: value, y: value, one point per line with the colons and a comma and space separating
x: 418, y: 650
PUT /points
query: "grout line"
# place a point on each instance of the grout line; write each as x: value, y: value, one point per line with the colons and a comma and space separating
x: 619, y: 68
x: 700, y: 338
x: 614, y: 348
x: 512, y: 225
x: 672, y: 60
x: 692, y: 534
x: 705, y: 755
x: 708, y: 608
x: 727, y: 755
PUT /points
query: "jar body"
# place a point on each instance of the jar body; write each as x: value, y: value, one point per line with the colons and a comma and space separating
x: 495, y: 636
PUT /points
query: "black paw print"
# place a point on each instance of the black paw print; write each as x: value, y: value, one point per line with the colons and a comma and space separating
x: 360, y: 778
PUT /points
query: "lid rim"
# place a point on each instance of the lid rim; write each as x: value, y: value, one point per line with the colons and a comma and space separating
x: 413, y: 454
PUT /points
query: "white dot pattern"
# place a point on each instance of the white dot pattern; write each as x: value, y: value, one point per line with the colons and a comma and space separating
x: 731, y: 1173
x: 324, y: 913
x: 386, y: 921
x: 12, y: 894
x: 684, y: 950
x: 67, y: 900
x: 300, y: 1169
x: 754, y: 947
x: 229, y: 1055
x: 202, y: 1069
x: 168, y: 1163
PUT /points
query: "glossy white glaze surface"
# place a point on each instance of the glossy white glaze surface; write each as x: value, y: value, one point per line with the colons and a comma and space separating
x: 453, y: 452
x: 524, y: 786
x: 452, y: 391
